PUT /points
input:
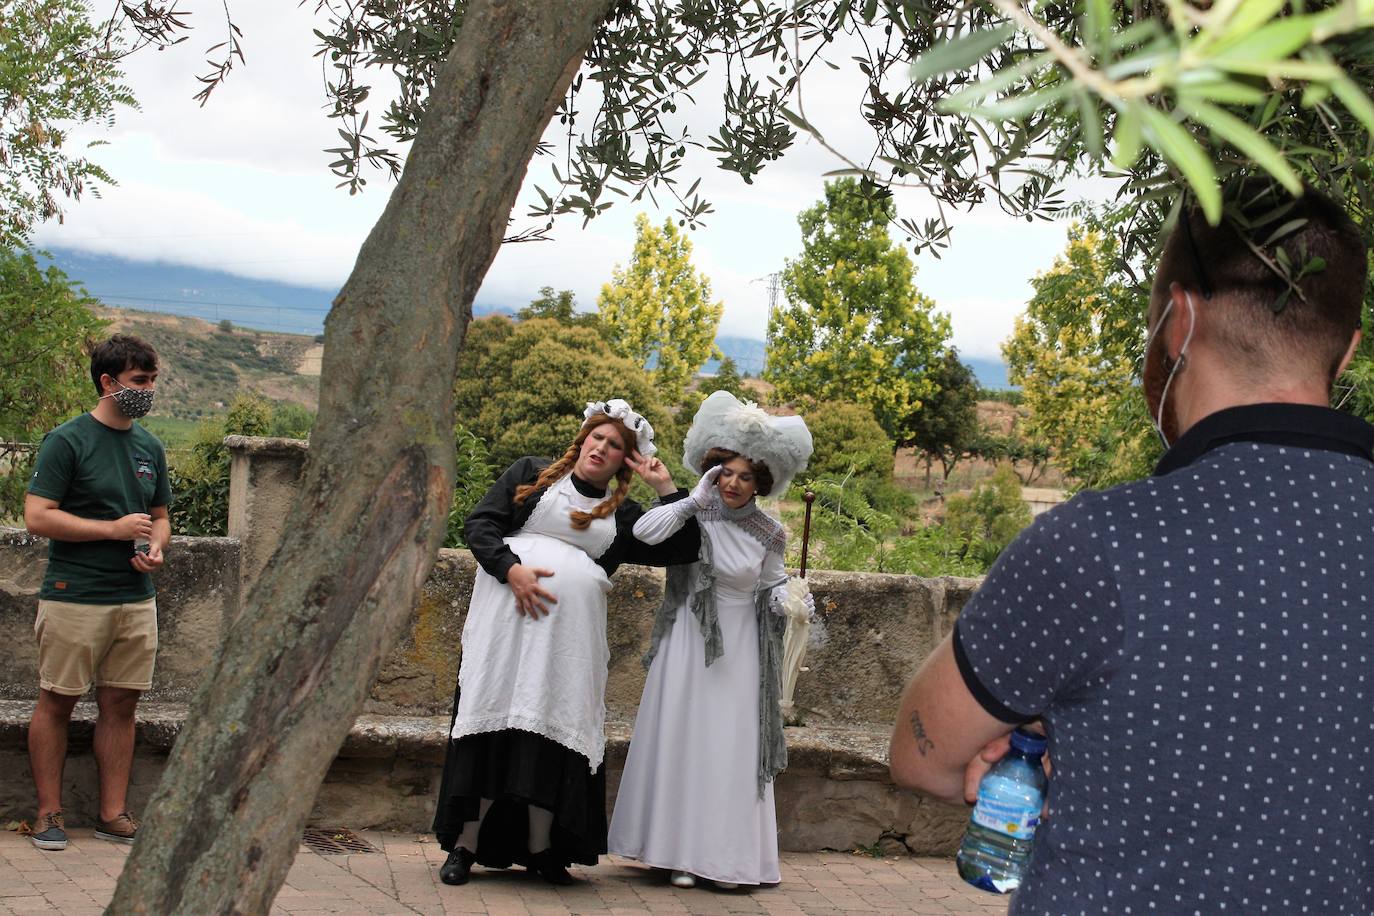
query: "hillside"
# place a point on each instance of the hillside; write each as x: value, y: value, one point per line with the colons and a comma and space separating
x: 204, y: 364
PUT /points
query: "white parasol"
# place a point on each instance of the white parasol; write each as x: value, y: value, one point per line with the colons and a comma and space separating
x: 798, y: 620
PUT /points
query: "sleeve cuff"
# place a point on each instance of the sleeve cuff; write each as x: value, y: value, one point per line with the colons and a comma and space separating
x: 672, y: 497
x: 503, y: 565
x: 994, y: 707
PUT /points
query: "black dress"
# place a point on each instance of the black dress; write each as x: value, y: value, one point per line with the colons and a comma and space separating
x: 518, y: 768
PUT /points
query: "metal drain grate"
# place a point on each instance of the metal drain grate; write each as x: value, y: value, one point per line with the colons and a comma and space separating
x: 336, y: 841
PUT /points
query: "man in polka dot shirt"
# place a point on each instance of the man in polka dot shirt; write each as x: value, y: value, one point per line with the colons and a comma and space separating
x: 1198, y: 644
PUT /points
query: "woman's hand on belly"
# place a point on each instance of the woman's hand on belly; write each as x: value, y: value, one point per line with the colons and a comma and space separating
x: 530, y: 598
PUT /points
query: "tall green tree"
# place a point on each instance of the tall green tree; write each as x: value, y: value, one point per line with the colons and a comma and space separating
x: 521, y: 387
x: 727, y: 378
x: 658, y: 310
x: 44, y: 367
x: 1076, y: 351
x: 561, y: 306
x: 854, y: 327
x: 946, y: 425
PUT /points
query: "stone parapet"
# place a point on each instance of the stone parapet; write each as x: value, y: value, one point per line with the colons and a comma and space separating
x: 871, y: 631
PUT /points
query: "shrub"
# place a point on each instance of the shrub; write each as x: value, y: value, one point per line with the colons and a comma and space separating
x: 987, y: 519
x: 473, y: 476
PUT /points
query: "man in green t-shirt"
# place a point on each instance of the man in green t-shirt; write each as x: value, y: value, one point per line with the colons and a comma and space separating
x: 99, y: 493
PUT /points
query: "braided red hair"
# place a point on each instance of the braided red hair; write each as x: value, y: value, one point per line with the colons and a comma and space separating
x: 564, y: 466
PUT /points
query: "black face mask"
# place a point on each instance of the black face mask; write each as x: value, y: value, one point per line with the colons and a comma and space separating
x: 133, y: 402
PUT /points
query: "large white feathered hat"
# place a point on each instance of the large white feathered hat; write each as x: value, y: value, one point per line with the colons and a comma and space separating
x: 782, y: 443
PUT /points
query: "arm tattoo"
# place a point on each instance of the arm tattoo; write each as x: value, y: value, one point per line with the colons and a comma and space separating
x: 918, y: 731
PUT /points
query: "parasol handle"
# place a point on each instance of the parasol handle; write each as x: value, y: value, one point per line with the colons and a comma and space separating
x: 809, y: 497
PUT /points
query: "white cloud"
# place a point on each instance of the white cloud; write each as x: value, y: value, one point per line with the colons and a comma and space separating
x: 241, y: 185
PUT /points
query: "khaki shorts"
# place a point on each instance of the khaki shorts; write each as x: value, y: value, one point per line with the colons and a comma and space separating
x: 110, y: 645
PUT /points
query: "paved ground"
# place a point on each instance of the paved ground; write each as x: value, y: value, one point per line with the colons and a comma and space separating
x: 403, y: 878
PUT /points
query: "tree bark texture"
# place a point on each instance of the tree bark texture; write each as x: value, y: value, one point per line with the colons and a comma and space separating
x: 294, y: 670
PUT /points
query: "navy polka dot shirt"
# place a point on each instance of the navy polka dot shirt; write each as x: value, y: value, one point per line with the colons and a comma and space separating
x: 1199, y: 644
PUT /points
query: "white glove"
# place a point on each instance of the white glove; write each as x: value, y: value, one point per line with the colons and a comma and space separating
x: 702, y: 495
x: 793, y: 599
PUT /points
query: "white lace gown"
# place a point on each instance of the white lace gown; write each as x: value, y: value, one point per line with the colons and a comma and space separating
x: 688, y: 799
x: 544, y: 675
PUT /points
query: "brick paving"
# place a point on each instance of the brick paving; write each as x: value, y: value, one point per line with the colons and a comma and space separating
x: 403, y: 878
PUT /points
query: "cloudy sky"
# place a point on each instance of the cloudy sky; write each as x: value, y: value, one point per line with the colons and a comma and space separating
x: 241, y: 185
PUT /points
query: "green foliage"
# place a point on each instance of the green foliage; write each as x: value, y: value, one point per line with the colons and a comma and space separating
x: 473, y: 476
x: 56, y: 69
x: 44, y: 369
x: 659, y: 309
x: 291, y: 420
x: 200, y: 475
x: 849, y: 442
x: 1354, y: 392
x: 561, y: 306
x: 854, y: 327
x: 987, y: 519
x: 850, y: 533
x: 522, y: 387
x: 1029, y: 459
x: 947, y: 423
x: 727, y: 378
x: 1075, y: 354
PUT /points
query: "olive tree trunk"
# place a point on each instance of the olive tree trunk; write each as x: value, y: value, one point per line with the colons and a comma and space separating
x: 294, y: 669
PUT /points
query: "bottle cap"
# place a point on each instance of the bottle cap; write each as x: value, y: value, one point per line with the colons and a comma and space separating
x: 1028, y: 742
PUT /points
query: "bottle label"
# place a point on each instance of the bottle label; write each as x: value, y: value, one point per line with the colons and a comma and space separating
x: 1006, y: 806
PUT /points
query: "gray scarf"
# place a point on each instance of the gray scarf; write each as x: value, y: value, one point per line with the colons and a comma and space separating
x: 694, y: 585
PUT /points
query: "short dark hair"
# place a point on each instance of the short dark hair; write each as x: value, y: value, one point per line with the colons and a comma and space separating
x: 121, y: 352
x: 1270, y: 319
x: 763, y: 478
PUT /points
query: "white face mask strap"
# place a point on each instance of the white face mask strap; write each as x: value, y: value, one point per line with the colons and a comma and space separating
x: 1178, y: 363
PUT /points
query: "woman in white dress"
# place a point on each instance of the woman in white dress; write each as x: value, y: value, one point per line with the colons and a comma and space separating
x: 696, y: 796
x: 523, y: 780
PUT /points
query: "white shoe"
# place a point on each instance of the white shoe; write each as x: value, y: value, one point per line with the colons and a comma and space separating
x: 684, y: 879
x: 725, y: 885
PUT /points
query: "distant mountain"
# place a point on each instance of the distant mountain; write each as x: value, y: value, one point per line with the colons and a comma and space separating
x: 747, y: 353
x: 991, y: 373
x: 212, y: 295
x: 268, y: 305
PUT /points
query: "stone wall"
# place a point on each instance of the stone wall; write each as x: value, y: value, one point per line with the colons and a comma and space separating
x: 870, y: 634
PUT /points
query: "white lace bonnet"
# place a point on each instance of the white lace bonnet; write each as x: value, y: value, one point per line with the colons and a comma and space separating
x: 620, y: 409
x: 724, y: 421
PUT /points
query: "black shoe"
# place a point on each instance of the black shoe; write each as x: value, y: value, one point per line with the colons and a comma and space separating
x: 547, y: 866
x: 456, y: 868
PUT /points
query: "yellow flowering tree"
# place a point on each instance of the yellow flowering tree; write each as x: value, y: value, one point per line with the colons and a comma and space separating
x: 854, y: 327
x: 657, y: 312
x: 1076, y: 352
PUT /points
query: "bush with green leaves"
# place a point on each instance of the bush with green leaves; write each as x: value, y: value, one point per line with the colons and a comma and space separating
x: 848, y: 442
x: 986, y: 519
x: 848, y: 533
x: 473, y: 476
x: 200, y: 475
x: 522, y: 387
x: 44, y: 369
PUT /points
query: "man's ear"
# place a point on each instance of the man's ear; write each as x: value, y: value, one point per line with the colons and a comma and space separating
x: 1183, y: 320
x: 1350, y: 351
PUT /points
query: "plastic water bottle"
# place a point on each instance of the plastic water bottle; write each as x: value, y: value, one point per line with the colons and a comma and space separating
x: 997, y: 845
